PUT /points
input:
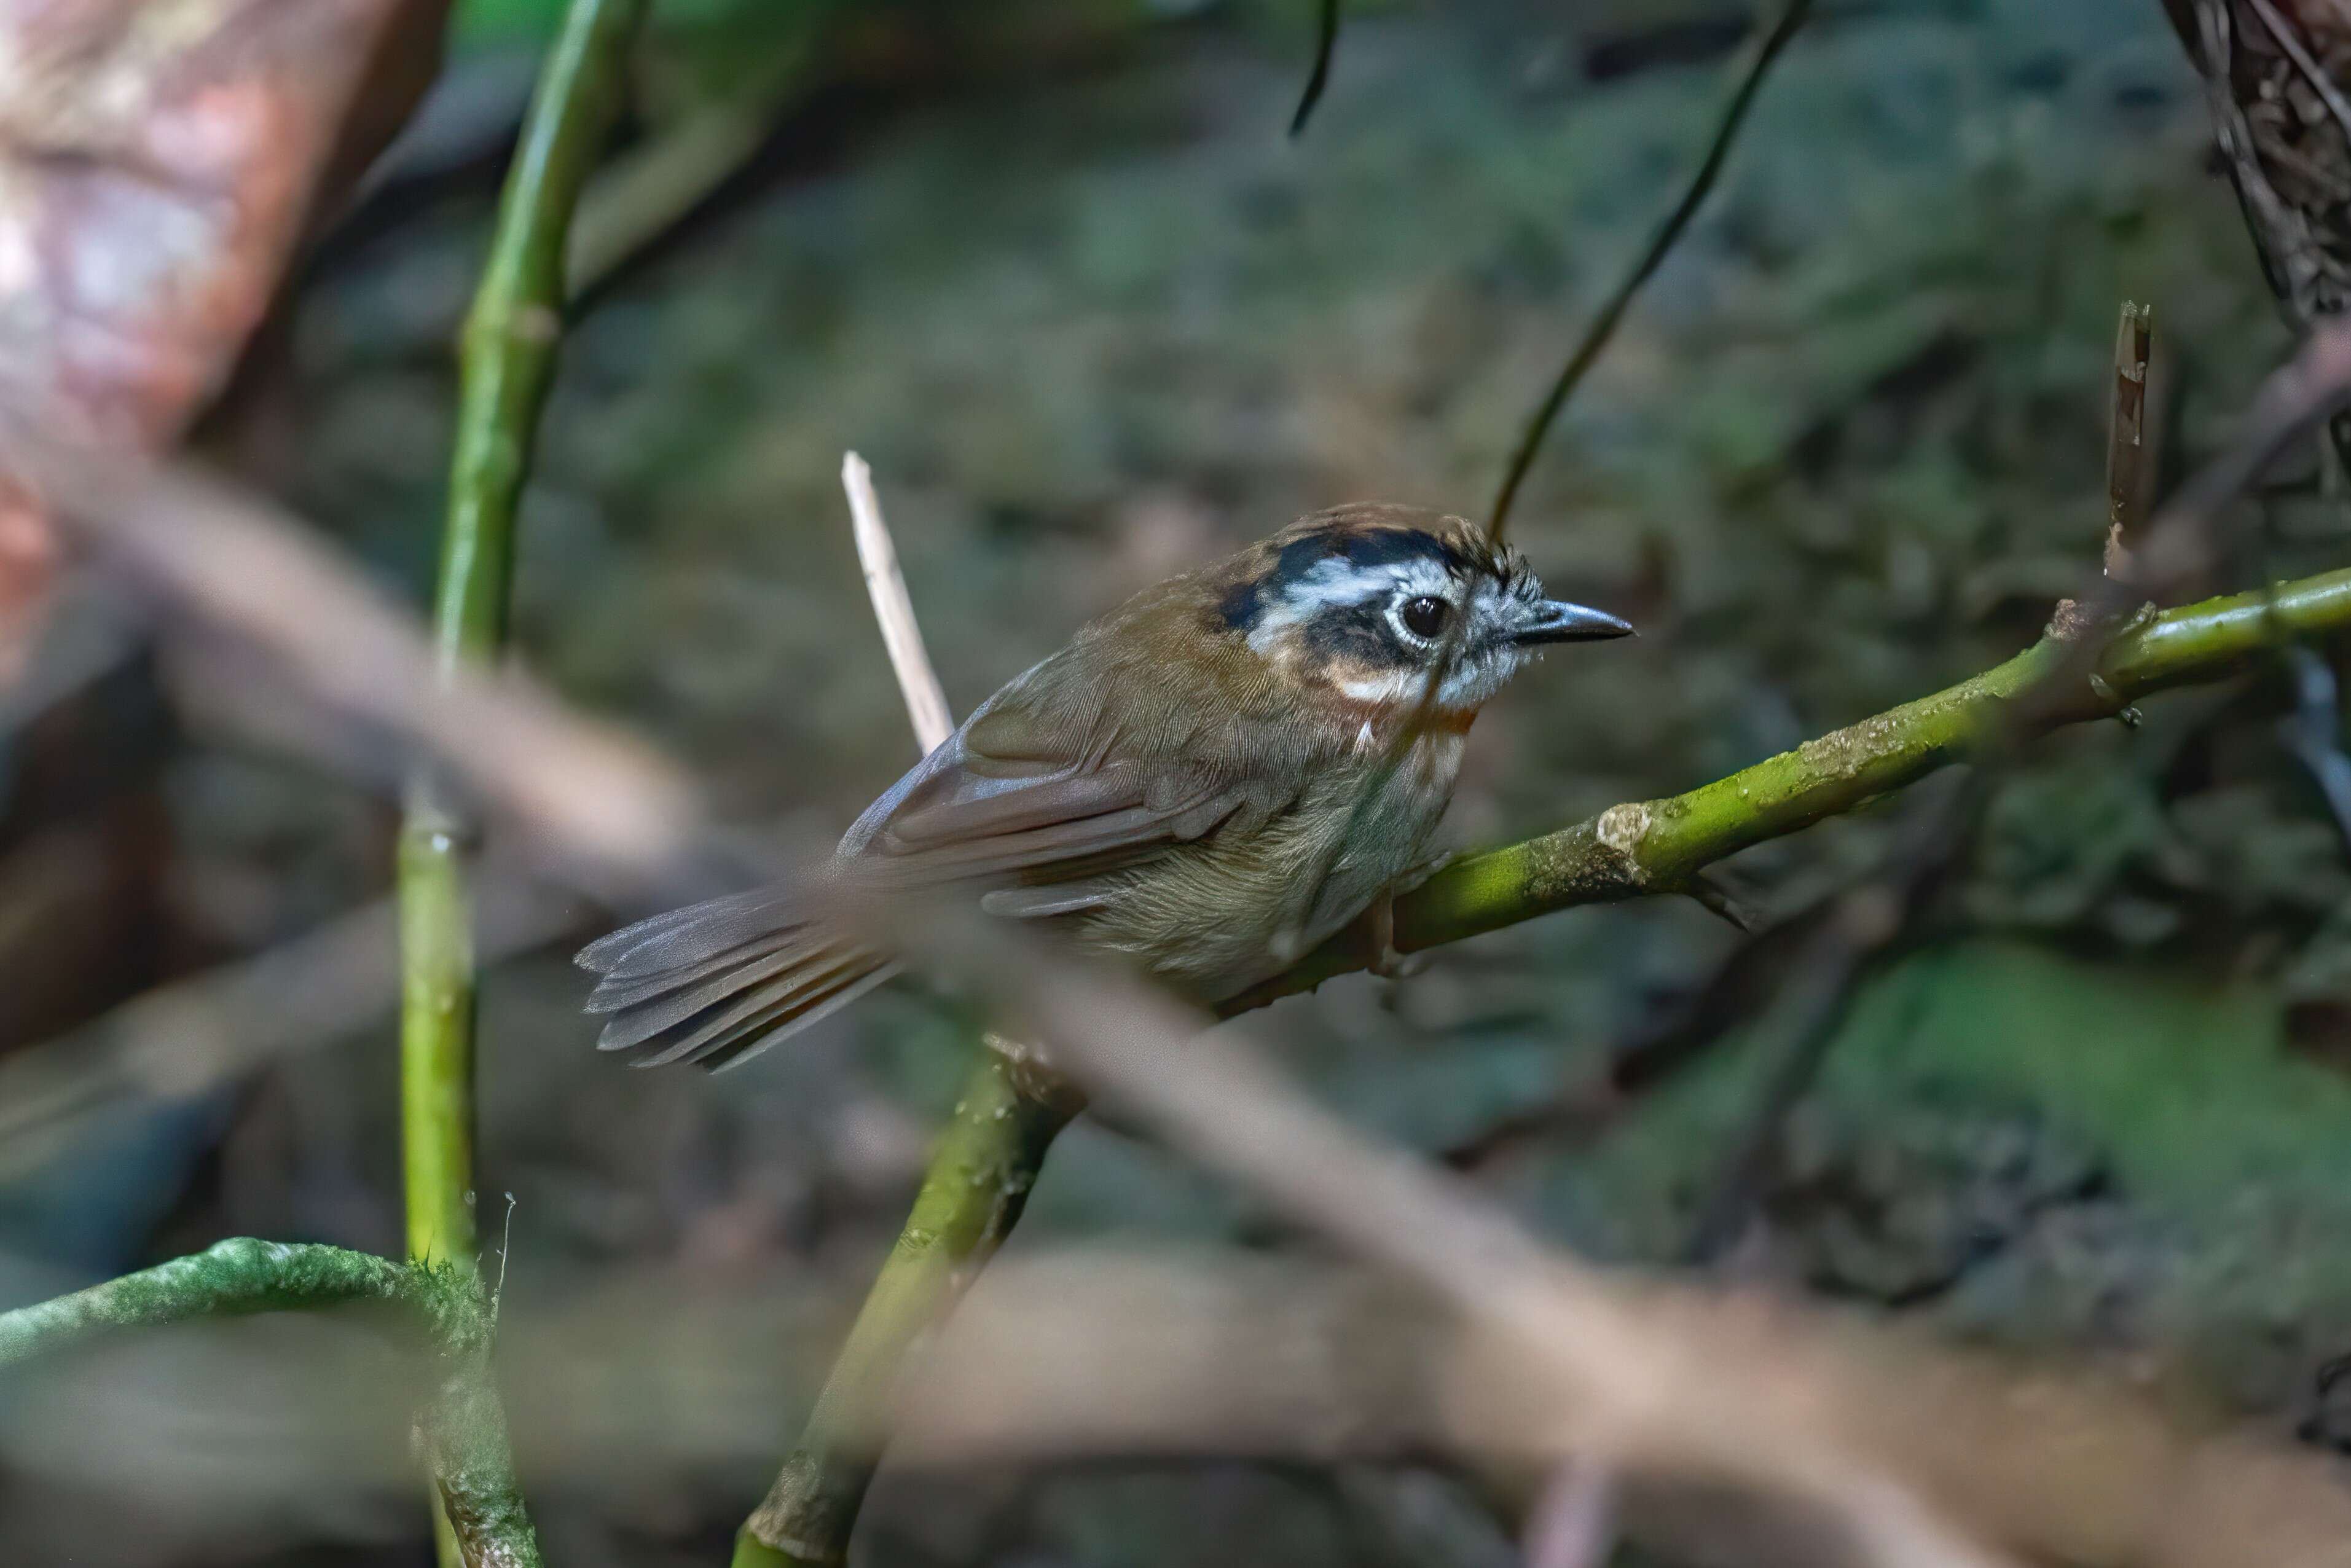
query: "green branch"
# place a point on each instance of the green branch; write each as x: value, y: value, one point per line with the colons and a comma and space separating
x: 462, y: 1423
x: 978, y: 1180
x: 507, y: 347
x: 507, y: 361
x: 1658, y: 846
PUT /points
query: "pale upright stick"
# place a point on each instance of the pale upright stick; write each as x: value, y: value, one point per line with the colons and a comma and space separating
x: 926, y: 703
x: 981, y: 1169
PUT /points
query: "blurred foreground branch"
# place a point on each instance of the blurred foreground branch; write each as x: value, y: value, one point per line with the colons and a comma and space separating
x: 592, y: 801
x: 611, y: 815
x: 1119, y: 1358
x: 461, y: 1421
x: 1069, y: 1357
x: 183, y: 1038
x: 1913, y: 1456
x: 578, y: 790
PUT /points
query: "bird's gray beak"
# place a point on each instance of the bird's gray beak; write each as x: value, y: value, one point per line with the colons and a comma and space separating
x: 1556, y: 620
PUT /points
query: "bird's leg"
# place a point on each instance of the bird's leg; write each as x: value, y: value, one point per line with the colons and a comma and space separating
x: 1386, y: 962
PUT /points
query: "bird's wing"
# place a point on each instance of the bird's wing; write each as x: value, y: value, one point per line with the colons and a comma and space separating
x: 1053, y: 786
x: 1007, y: 799
x: 720, y: 981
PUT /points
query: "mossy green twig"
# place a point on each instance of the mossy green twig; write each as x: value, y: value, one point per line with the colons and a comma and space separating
x: 978, y: 1181
x: 1658, y: 846
x: 460, y: 1416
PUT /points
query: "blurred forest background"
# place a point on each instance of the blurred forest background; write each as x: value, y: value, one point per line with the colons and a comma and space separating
x: 1057, y: 271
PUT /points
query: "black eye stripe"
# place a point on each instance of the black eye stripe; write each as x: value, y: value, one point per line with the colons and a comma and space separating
x: 1358, y: 633
x: 1240, y: 606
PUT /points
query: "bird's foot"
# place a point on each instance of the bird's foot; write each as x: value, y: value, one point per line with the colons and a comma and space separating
x: 1386, y: 962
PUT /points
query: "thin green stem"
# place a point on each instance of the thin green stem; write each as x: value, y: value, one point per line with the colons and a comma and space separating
x: 978, y: 1182
x: 1762, y: 49
x: 436, y: 1037
x: 1326, y: 44
x: 507, y: 348
x: 462, y: 1423
x: 507, y: 361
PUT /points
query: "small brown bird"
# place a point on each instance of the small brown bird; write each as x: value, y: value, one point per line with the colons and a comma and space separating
x: 1201, y: 779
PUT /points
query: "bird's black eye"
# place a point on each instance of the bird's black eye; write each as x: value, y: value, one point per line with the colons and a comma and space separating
x: 1426, y: 616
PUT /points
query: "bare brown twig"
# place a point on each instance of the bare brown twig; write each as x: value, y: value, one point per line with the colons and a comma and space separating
x: 243, y: 568
x: 189, y: 1037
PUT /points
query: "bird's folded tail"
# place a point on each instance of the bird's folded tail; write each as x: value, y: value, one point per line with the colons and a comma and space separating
x: 717, y: 982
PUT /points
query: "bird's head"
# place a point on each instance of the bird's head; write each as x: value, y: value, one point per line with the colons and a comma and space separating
x: 1365, y: 601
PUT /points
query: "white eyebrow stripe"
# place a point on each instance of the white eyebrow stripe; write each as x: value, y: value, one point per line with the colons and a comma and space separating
x: 1336, y: 582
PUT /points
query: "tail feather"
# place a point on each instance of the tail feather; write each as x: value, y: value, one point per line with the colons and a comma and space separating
x: 687, y: 935
x: 763, y: 1029
x: 675, y: 1026
x: 645, y: 1007
x: 719, y: 981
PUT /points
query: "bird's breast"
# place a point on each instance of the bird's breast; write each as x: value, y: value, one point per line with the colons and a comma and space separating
x: 1235, y: 906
